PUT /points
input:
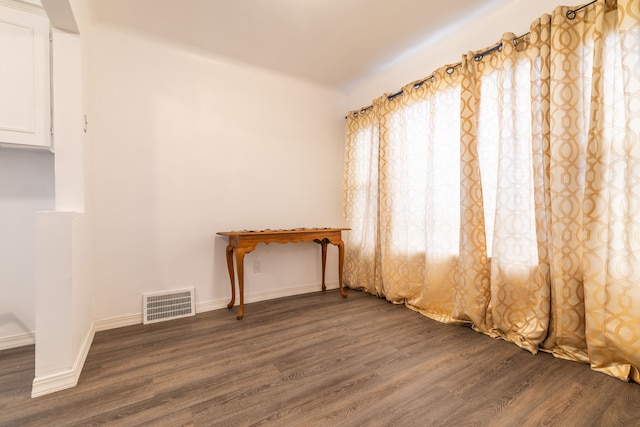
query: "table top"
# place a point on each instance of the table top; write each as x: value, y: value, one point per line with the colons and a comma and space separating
x: 300, y: 230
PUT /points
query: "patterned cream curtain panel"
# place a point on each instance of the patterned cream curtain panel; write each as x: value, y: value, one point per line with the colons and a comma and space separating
x: 519, y: 286
x: 361, y: 202
x: 504, y: 191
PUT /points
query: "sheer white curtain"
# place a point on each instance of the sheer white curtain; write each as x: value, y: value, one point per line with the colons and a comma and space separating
x: 361, y: 263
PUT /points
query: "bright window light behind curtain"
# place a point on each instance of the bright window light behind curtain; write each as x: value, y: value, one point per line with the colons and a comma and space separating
x: 505, y: 114
x: 425, y: 158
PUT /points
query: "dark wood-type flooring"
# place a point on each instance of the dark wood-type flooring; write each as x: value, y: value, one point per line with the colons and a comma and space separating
x: 315, y: 360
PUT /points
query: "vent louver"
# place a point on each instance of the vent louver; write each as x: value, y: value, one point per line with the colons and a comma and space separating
x: 161, y: 306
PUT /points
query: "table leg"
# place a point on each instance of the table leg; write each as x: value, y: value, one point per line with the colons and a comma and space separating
x: 340, y: 245
x: 323, y: 243
x: 231, y: 274
x: 240, y: 267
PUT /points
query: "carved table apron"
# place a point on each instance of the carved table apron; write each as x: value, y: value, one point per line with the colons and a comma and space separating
x: 243, y: 242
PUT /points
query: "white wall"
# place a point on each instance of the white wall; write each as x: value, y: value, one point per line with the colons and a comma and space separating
x: 181, y: 146
x: 68, y: 121
x: 484, y: 32
x: 26, y: 186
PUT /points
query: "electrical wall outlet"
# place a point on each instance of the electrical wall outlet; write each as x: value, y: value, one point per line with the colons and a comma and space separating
x: 256, y: 267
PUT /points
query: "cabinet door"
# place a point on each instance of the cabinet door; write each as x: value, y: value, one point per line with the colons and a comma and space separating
x: 24, y: 77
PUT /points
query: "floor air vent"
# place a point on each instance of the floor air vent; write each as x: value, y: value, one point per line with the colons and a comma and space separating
x: 161, y: 306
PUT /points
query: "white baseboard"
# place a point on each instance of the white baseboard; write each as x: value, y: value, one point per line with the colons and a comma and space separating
x: 263, y: 296
x: 28, y: 338
x: 118, y: 322
x: 65, y: 379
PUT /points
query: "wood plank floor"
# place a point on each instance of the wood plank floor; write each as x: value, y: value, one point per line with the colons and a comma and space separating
x: 315, y: 360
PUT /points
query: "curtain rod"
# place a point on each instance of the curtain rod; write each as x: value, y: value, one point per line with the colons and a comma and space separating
x: 571, y: 15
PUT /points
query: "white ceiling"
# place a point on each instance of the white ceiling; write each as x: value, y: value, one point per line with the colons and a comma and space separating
x: 331, y: 42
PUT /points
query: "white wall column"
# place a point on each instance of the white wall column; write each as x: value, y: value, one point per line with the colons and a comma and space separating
x: 61, y: 301
x: 64, y: 317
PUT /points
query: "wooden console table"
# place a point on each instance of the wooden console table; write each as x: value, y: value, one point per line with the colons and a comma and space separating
x: 243, y: 242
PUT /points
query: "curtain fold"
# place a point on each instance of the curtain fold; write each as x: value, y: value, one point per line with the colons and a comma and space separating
x: 503, y: 192
x: 611, y: 263
x: 570, y: 63
x: 473, y: 285
x: 520, y: 294
x: 362, y: 260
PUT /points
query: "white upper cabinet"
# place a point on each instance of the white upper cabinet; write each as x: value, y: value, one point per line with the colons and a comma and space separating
x: 25, y: 118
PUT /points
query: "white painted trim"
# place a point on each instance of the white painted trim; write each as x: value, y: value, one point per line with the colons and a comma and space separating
x: 65, y: 379
x: 20, y: 340
x: 25, y: 5
x: 118, y: 322
x: 211, y: 305
x: 264, y: 296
